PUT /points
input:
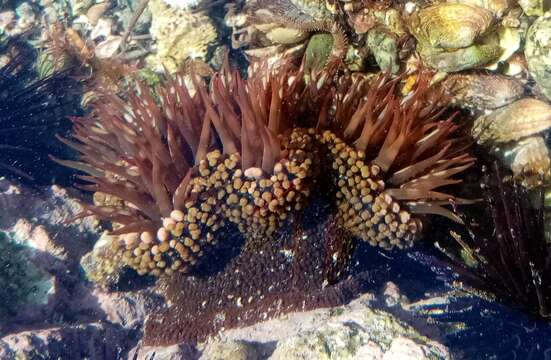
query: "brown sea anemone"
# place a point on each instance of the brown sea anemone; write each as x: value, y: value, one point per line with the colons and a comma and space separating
x: 249, y: 153
x: 188, y: 164
x: 390, y: 155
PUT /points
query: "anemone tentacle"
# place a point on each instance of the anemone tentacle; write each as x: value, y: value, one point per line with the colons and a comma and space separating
x: 384, y: 152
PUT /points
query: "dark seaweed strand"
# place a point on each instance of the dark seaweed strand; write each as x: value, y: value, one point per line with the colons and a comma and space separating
x: 512, y: 253
x: 32, y: 111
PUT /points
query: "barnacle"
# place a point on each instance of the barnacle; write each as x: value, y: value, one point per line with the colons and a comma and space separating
x: 519, y: 119
x: 284, y: 21
x: 512, y: 134
x: 482, y: 91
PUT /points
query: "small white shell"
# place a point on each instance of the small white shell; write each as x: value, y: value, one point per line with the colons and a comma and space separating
x: 102, y: 29
x: 108, y: 48
x: 528, y: 159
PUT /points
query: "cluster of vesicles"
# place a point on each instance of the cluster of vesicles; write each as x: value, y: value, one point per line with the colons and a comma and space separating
x: 364, y: 208
x: 257, y: 203
x: 257, y: 283
x: 222, y: 192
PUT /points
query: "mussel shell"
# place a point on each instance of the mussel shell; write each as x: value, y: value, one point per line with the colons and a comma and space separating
x: 515, y: 121
x: 482, y: 90
x: 450, y: 26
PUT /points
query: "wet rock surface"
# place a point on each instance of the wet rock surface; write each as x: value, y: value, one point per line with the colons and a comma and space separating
x: 354, y: 331
x: 80, y: 319
x: 66, y: 342
x: 65, y: 317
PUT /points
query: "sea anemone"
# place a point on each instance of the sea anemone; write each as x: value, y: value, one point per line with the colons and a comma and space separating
x: 250, y: 152
x: 389, y: 155
x: 32, y: 110
x: 187, y: 165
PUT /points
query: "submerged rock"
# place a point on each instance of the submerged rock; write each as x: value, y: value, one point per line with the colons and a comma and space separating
x: 360, y: 334
x: 180, y: 34
x: 236, y: 350
x: 89, y: 341
x: 24, y: 286
x: 538, y: 52
x: 354, y: 331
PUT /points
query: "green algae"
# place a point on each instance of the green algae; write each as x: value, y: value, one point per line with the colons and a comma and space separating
x: 21, y: 282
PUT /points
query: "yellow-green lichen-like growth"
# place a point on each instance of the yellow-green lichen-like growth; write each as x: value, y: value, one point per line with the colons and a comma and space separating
x: 179, y: 34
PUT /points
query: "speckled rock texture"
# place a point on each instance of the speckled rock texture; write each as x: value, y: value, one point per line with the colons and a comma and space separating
x: 179, y: 35
x: 354, y: 331
x: 72, y: 319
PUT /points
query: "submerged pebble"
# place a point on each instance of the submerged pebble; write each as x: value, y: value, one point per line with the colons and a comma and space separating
x: 482, y: 90
x: 538, y: 52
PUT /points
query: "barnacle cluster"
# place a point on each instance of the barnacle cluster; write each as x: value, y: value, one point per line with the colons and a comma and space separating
x: 272, y: 24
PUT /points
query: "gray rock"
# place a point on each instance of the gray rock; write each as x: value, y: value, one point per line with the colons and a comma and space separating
x: 124, y: 15
x: 127, y: 309
x: 90, y: 341
x: 354, y: 331
x: 39, y: 220
x: 235, y: 350
x: 27, y: 291
x: 174, y: 352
